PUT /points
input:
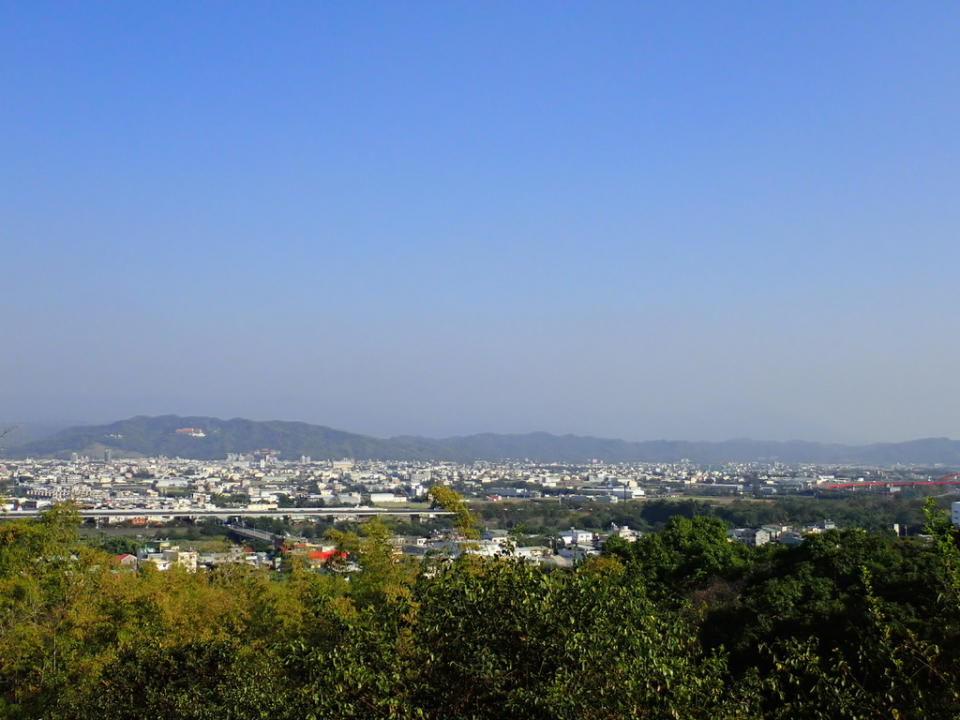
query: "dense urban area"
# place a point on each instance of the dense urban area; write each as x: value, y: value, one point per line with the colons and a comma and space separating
x: 548, y: 513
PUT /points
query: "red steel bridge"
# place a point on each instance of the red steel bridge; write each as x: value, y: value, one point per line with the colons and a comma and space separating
x: 945, y: 480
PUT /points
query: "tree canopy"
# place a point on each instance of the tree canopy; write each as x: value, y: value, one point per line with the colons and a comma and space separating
x: 681, y: 624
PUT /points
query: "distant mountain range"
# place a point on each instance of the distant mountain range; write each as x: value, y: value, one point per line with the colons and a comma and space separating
x: 207, y: 438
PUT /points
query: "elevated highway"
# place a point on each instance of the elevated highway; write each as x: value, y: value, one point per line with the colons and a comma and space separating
x: 292, y: 513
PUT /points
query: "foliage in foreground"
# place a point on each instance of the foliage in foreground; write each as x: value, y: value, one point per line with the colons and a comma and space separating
x: 682, y: 624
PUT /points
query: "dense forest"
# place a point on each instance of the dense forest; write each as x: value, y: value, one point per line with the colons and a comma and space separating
x: 680, y: 624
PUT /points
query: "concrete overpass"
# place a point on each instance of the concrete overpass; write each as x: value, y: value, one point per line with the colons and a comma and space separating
x: 255, y: 534
x: 293, y: 513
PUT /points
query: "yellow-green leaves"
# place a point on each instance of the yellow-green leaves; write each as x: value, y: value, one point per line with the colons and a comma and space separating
x: 448, y: 499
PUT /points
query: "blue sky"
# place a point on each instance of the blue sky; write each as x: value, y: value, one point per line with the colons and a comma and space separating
x: 690, y: 220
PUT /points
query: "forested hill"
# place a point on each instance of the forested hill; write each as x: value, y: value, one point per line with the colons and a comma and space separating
x: 159, y: 436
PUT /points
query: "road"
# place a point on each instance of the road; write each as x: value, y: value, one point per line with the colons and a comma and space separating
x: 226, y: 513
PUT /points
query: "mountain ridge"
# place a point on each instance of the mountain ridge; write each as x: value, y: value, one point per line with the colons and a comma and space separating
x: 145, y: 435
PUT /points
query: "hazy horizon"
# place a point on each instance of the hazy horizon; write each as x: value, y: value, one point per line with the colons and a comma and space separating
x: 685, y: 221
x: 26, y: 431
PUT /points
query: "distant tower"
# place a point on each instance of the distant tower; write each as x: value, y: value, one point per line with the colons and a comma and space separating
x: 108, y: 455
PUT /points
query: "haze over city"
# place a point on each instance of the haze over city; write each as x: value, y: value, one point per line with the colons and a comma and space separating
x: 692, y: 221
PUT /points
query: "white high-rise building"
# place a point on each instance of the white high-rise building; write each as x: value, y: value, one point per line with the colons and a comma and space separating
x: 955, y: 513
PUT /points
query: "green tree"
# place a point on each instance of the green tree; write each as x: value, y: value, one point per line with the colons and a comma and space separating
x: 448, y: 499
